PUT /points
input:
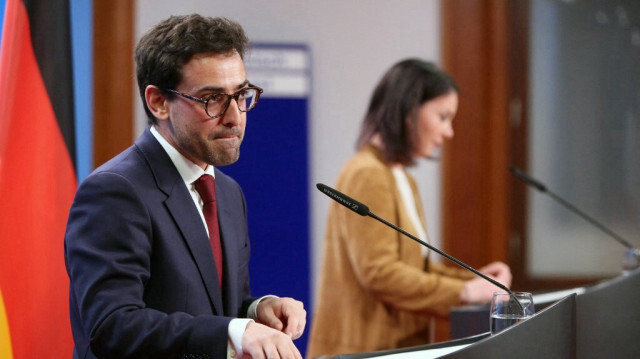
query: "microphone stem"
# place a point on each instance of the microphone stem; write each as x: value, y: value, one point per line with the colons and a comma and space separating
x: 590, y: 220
x: 363, y: 210
x: 542, y: 188
x: 456, y: 261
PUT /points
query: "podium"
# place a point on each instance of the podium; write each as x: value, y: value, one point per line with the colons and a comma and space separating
x: 421, y: 351
x: 602, y: 321
x: 470, y: 320
x: 549, y: 334
x: 608, y: 319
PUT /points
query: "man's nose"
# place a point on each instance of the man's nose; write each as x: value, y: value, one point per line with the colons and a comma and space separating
x: 232, y: 115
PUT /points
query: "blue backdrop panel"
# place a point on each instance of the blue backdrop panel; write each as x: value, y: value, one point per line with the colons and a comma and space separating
x: 2, y: 5
x: 82, y: 50
x: 273, y: 173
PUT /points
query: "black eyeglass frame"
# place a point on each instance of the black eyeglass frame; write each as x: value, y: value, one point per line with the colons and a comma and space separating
x: 205, y: 100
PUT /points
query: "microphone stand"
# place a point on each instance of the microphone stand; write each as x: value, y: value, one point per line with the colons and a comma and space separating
x: 455, y: 260
x: 363, y: 210
x: 542, y: 188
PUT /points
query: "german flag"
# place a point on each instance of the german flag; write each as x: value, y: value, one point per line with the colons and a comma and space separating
x: 37, y: 178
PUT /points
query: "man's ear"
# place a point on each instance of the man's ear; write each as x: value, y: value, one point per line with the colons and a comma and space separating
x: 157, y: 102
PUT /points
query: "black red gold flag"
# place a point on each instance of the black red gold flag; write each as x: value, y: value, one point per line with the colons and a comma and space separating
x: 37, y: 178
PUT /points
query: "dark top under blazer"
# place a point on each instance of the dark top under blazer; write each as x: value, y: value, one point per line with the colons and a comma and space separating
x: 142, y: 274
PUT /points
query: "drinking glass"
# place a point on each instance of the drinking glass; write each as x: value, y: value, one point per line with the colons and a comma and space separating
x: 506, y: 311
x: 631, y: 260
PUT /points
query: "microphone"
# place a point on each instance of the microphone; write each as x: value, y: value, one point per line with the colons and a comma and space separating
x: 363, y: 210
x: 542, y: 188
x: 344, y: 200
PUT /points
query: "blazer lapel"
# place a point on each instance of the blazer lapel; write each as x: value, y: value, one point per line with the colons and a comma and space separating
x: 188, y: 221
x: 229, y: 246
x: 185, y: 214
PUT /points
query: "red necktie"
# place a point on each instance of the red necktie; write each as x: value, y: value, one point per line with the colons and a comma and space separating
x: 206, y: 187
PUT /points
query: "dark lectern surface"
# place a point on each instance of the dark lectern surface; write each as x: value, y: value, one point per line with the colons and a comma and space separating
x: 603, y: 321
x: 471, y: 320
x: 417, y: 349
x: 608, y: 319
x: 548, y: 334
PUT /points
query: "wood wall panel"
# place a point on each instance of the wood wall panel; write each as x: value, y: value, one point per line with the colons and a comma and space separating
x: 475, y: 163
x: 475, y: 200
x: 486, y: 49
x: 113, y: 82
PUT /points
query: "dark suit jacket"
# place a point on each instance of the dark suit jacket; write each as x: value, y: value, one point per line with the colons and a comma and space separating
x: 142, y: 274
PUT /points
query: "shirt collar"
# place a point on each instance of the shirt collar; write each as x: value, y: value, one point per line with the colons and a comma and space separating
x: 188, y: 170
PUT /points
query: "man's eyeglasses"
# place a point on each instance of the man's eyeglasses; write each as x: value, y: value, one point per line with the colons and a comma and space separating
x: 215, y: 105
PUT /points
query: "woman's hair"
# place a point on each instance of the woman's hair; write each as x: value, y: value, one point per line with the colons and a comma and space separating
x: 393, y: 108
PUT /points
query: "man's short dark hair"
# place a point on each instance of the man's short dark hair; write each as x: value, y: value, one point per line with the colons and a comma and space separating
x: 393, y: 108
x: 165, y: 48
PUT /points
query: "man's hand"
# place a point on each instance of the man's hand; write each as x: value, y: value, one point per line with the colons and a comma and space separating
x: 260, y: 341
x: 284, y: 314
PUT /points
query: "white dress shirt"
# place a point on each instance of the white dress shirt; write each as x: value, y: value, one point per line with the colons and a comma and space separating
x: 402, y: 182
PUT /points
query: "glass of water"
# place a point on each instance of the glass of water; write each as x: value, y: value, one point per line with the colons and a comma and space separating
x: 507, y: 310
x: 631, y: 260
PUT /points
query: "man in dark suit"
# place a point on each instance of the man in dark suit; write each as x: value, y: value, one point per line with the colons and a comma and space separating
x: 152, y: 273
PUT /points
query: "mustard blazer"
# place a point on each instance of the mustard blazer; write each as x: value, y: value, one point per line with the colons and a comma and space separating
x: 376, y: 291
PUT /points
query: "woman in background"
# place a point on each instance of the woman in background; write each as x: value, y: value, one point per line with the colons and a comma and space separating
x: 379, y: 290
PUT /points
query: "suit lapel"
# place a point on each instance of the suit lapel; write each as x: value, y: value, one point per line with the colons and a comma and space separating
x: 229, y: 245
x: 185, y: 214
x: 188, y: 221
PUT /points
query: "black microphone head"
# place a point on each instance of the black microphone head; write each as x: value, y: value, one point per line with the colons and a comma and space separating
x: 528, y: 179
x: 344, y: 200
